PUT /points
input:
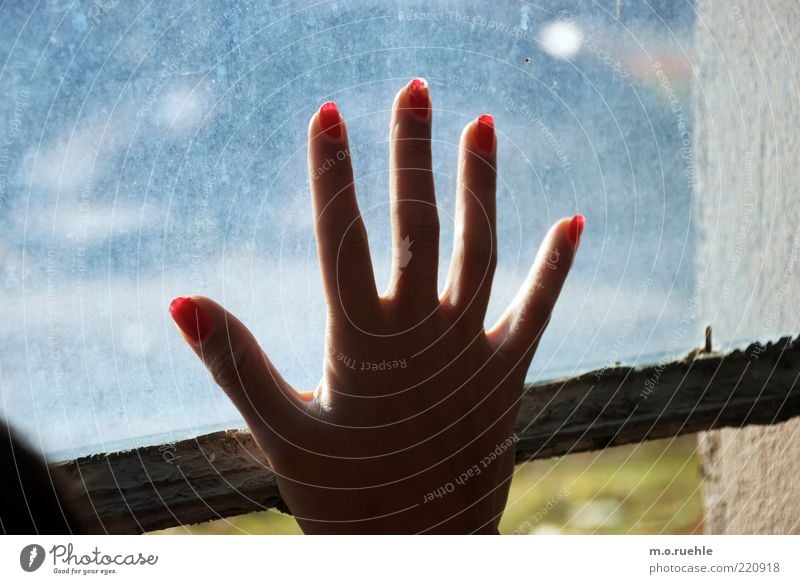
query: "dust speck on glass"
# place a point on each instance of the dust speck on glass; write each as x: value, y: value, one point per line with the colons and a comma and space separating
x: 151, y: 150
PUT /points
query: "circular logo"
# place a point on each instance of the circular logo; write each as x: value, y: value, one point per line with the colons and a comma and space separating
x: 31, y: 557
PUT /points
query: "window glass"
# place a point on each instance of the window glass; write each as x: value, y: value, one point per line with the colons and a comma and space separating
x: 151, y: 150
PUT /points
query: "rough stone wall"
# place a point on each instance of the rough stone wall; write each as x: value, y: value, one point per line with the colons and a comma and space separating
x: 747, y: 212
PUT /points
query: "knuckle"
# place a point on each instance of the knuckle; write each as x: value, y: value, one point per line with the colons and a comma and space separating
x: 424, y: 228
x: 481, y: 255
x: 417, y: 151
x: 352, y: 242
x: 233, y: 366
x: 337, y: 167
x: 355, y: 234
x: 483, y: 182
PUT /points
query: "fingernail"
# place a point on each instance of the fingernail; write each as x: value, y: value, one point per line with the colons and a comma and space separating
x: 484, y: 133
x: 576, y: 228
x: 330, y: 119
x: 190, y: 318
x: 419, y: 98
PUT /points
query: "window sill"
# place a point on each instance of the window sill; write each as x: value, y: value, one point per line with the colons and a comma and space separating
x: 224, y: 473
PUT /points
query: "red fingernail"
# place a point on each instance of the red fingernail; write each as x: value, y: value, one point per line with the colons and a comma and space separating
x: 330, y: 119
x: 484, y: 133
x: 189, y: 318
x: 419, y: 98
x: 576, y: 228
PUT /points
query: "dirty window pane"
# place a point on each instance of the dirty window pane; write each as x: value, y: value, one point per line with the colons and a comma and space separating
x: 151, y: 150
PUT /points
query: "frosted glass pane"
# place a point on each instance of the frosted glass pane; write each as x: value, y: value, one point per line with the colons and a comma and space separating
x: 151, y: 150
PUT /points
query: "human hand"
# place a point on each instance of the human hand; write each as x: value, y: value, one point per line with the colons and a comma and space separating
x: 410, y: 428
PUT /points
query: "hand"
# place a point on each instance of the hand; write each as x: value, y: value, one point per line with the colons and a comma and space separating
x: 410, y: 428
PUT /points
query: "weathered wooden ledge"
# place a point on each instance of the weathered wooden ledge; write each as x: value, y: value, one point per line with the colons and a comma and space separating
x: 223, y: 474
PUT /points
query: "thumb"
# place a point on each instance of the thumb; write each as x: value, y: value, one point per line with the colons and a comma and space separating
x: 230, y: 352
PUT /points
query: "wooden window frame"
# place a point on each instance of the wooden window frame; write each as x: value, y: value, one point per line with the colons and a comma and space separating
x: 224, y: 474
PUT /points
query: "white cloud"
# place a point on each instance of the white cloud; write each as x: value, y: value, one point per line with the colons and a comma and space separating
x: 183, y: 107
x: 73, y: 159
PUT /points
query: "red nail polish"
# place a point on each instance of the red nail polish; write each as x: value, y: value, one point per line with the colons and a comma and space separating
x: 190, y: 318
x: 484, y: 133
x: 330, y: 119
x: 576, y: 228
x: 419, y: 98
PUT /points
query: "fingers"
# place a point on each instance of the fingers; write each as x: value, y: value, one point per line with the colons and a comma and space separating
x: 415, y: 220
x: 267, y: 403
x: 341, y: 236
x: 517, y: 333
x: 469, y: 281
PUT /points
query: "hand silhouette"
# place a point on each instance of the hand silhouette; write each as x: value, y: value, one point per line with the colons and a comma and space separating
x: 410, y: 428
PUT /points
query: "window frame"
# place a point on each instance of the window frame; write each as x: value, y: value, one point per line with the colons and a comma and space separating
x: 222, y: 474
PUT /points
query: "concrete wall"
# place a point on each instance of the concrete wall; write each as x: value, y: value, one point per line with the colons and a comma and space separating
x: 747, y: 211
